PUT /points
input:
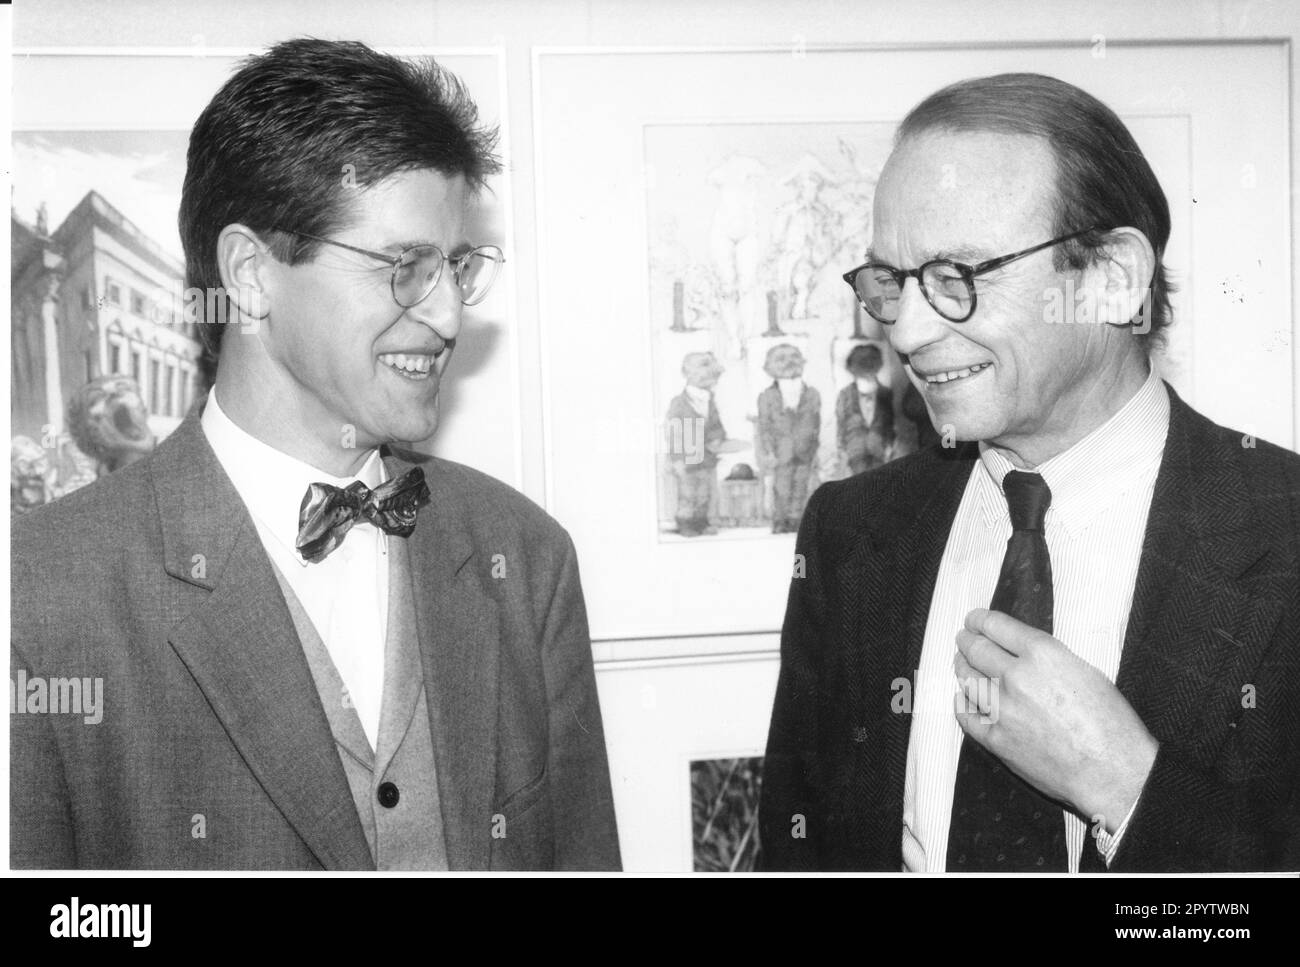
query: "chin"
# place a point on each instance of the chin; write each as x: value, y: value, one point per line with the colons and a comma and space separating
x: 966, y: 425
x: 409, y: 433
x: 413, y: 430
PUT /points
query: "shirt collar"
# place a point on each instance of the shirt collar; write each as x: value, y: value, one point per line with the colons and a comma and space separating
x: 272, y: 483
x: 1118, y: 457
x: 698, y: 394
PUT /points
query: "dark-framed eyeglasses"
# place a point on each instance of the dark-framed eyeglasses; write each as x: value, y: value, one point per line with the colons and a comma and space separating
x: 417, y: 269
x: 948, y: 286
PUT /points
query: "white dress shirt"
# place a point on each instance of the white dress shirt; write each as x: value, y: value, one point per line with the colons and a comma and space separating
x: 791, y: 391
x: 346, y: 594
x: 867, y: 406
x: 699, y: 399
x: 1101, y: 494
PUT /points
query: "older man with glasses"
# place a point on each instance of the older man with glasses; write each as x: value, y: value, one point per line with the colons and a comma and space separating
x: 1071, y: 641
x: 317, y: 649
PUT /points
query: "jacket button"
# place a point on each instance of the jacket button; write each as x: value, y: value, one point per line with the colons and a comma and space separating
x: 388, y: 795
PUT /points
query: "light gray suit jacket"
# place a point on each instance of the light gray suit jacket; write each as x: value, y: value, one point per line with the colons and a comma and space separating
x: 214, y: 751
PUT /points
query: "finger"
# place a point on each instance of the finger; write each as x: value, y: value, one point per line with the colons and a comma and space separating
x: 974, y: 695
x: 961, y: 667
x: 973, y: 683
x: 973, y: 688
x: 985, y: 656
x: 1011, y: 634
x: 972, y: 725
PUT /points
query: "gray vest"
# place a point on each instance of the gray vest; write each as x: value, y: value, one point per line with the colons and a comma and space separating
x: 396, y: 788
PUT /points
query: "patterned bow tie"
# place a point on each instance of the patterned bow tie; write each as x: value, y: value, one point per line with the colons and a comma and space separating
x: 328, y: 512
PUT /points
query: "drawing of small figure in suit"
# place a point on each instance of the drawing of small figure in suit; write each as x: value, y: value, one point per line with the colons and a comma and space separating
x: 864, y: 412
x: 789, y: 429
x: 695, y: 434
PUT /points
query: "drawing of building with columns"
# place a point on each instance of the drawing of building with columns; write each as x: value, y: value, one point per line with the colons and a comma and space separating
x: 96, y: 297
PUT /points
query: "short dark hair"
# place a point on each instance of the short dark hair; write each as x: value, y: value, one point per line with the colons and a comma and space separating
x: 297, y: 126
x: 1102, y: 177
x: 864, y: 358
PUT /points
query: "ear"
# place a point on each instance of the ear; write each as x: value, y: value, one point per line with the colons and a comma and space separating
x: 1122, y: 279
x: 241, y: 257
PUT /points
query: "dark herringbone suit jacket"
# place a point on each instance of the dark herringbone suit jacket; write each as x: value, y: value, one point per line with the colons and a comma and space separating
x: 154, y: 580
x: 1216, y: 611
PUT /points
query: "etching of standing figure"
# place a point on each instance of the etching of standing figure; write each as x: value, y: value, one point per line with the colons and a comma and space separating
x: 864, y: 412
x: 789, y: 429
x: 695, y: 433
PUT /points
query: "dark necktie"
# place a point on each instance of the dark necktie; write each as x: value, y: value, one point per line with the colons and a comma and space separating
x: 1000, y: 823
x: 328, y: 512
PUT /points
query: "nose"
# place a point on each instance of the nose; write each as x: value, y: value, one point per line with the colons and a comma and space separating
x: 918, y: 324
x: 441, y: 309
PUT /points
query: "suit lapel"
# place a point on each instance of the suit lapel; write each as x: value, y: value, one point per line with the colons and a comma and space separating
x: 896, y: 562
x: 458, y: 627
x: 1195, y: 618
x: 240, y: 645
x: 1199, y: 620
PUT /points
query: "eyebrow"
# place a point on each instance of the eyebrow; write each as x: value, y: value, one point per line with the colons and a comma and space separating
x: 405, y: 243
x: 447, y: 249
x: 970, y: 254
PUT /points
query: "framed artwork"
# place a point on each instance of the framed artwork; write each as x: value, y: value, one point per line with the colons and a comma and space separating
x: 724, y: 814
x: 697, y: 337
x: 686, y: 731
x: 96, y: 190
x: 750, y: 226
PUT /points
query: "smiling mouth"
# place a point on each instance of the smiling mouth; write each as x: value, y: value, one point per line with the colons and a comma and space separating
x: 952, y: 375
x: 410, y: 365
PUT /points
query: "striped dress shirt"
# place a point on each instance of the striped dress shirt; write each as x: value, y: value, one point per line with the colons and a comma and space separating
x: 1101, y: 495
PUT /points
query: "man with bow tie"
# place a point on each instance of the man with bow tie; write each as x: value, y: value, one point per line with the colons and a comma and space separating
x: 318, y: 650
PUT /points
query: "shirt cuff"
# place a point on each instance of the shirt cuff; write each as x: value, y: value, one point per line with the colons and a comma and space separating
x: 1108, y: 843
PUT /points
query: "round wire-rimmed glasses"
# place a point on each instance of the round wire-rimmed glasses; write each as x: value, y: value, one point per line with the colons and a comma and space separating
x: 948, y: 286
x: 417, y: 269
